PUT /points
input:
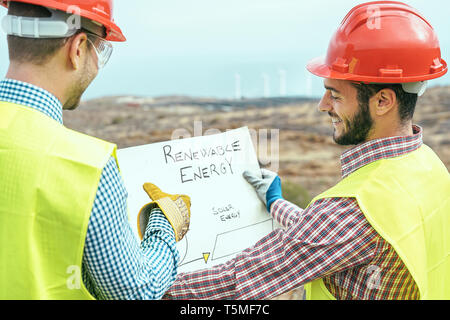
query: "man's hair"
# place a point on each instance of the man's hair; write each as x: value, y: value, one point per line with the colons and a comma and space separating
x: 406, y: 101
x: 36, y: 51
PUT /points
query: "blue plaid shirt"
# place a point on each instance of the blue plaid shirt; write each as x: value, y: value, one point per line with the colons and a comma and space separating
x: 115, y: 264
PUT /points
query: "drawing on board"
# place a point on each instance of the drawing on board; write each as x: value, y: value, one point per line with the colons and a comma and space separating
x: 226, y: 214
x: 225, y: 245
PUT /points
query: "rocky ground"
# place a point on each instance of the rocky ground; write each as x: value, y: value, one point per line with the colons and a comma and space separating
x: 308, y: 157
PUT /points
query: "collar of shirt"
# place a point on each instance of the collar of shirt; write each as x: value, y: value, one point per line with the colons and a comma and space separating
x: 29, y: 95
x: 385, y: 148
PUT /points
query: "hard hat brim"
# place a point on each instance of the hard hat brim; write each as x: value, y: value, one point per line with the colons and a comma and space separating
x: 114, y: 33
x: 320, y: 68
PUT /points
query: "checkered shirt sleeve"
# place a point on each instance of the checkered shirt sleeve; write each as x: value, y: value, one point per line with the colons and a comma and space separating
x: 115, y: 264
x: 329, y: 237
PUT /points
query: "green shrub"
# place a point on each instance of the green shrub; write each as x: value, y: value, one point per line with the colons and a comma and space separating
x: 295, y: 193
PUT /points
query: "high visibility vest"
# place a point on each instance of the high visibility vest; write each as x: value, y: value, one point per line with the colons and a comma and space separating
x: 407, y: 201
x: 49, y: 179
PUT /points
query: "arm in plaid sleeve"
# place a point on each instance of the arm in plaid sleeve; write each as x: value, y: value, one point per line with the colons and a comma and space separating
x: 115, y: 265
x: 285, y: 213
x: 331, y: 236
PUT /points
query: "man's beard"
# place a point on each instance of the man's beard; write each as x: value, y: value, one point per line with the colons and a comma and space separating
x: 74, y: 101
x: 79, y: 88
x: 358, y: 129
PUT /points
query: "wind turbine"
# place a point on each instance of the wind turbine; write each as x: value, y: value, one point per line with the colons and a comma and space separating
x: 237, y: 86
x: 283, y: 82
x: 266, y: 79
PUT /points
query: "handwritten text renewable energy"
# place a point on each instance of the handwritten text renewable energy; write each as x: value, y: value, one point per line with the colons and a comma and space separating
x: 219, y: 161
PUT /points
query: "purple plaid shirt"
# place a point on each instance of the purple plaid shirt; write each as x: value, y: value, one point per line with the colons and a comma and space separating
x: 331, y: 240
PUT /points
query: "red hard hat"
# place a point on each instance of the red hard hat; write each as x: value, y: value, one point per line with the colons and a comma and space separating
x: 100, y: 11
x: 382, y: 42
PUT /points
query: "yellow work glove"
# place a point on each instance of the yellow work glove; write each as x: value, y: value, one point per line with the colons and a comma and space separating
x: 176, y: 208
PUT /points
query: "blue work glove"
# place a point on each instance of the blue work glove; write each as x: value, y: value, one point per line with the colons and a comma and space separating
x: 268, y: 188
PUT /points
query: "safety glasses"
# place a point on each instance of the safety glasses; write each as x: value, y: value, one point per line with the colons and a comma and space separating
x: 102, y: 47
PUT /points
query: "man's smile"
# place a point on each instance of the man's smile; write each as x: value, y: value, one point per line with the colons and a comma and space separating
x: 334, y: 118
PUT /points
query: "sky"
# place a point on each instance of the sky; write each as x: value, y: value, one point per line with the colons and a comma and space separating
x: 199, y: 47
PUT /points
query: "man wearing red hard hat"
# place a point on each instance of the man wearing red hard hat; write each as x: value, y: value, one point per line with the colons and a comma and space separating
x: 63, y: 206
x: 383, y: 232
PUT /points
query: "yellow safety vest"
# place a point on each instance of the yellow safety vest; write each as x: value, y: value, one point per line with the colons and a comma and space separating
x: 407, y: 201
x: 49, y: 179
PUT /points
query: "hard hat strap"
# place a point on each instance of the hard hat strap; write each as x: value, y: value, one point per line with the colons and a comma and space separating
x: 418, y: 88
x: 59, y: 25
x: 415, y: 87
x: 36, y: 27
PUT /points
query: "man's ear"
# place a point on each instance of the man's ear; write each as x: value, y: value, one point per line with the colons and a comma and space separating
x: 77, y: 49
x: 384, y: 101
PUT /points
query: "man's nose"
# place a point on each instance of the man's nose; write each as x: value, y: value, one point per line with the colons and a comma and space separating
x: 324, y: 104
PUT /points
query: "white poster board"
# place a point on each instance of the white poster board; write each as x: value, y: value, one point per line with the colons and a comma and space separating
x: 226, y: 214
